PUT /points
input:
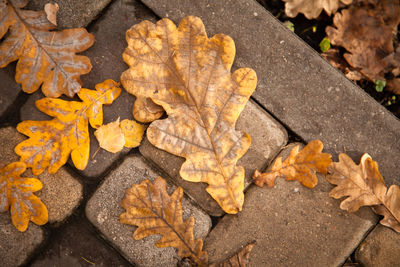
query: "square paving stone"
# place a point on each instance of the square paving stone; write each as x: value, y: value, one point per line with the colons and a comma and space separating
x: 295, y: 84
x: 104, y: 209
x: 61, y: 192
x: 16, y: 247
x: 78, y: 244
x: 267, y: 138
x: 380, y: 248
x: 292, y: 225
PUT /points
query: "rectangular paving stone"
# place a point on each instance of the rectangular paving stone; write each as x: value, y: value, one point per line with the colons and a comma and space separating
x: 295, y: 84
x: 267, y: 138
x: 104, y: 209
x: 61, y: 192
x: 292, y: 225
x: 380, y: 248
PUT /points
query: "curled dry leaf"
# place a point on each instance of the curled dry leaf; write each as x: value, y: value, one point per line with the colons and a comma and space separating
x: 149, y: 207
x: 312, y: 8
x: 300, y: 165
x: 51, y: 142
x: 240, y: 258
x: 110, y: 137
x: 363, y: 185
x: 51, y: 12
x: 366, y: 32
x: 17, y: 192
x: 133, y: 132
x: 44, y: 57
x: 145, y: 110
x: 188, y: 74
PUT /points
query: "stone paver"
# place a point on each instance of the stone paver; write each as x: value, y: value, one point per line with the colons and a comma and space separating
x: 73, y: 13
x: 267, y: 138
x: 295, y: 84
x: 61, y: 193
x: 380, y: 248
x: 16, y: 247
x: 77, y: 245
x: 104, y: 209
x: 292, y: 225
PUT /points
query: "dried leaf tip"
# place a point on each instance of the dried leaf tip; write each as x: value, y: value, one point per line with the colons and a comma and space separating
x: 239, y: 259
x: 149, y: 206
x: 363, y: 185
x: 300, y: 165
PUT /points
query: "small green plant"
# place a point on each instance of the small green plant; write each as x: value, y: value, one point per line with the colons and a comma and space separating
x: 289, y: 25
x: 325, y: 44
x: 379, y: 85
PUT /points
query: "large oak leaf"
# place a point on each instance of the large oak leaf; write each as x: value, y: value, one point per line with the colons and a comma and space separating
x: 44, y: 57
x: 188, y: 74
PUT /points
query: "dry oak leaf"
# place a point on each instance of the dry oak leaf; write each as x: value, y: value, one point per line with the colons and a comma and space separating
x: 110, y: 137
x: 51, y: 142
x: 145, y: 110
x: 363, y: 185
x: 240, y: 258
x: 312, y: 8
x: 300, y: 165
x: 44, y: 57
x: 366, y: 32
x: 149, y: 207
x: 188, y: 74
x: 17, y: 192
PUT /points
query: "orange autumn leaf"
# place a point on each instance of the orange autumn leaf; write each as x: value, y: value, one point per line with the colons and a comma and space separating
x: 300, y: 165
x: 145, y: 110
x: 189, y: 75
x: 312, y: 8
x: 239, y: 259
x: 110, y: 137
x: 363, y: 185
x: 51, y: 142
x: 16, y: 194
x: 155, y: 212
x: 45, y: 58
x: 133, y: 132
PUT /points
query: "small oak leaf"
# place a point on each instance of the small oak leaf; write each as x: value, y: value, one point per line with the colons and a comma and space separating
x: 51, y: 142
x: 363, y: 185
x: 51, y: 12
x: 150, y: 207
x: 133, y: 132
x: 300, y: 165
x: 312, y: 8
x: 110, y: 137
x: 45, y: 58
x: 189, y: 75
x: 16, y: 195
x: 145, y: 110
x: 240, y: 258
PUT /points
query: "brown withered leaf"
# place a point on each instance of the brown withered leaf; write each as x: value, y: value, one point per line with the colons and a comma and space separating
x: 300, y: 165
x: 144, y: 110
x: 393, y: 85
x: 16, y: 192
x: 240, y: 258
x: 335, y: 59
x: 363, y: 185
x: 150, y: 207
x: 51, y: 142
x: 366, y: 32
x: 51, y: 12
x: 45, y: 58
x: 110, y: 137
x: 188, y: 74
x: 312, y: 8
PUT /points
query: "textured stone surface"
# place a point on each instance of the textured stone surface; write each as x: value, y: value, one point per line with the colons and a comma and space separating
x: 61, y: 193
x: 77, y: 245
x: 104, y: 209
x: 380, y: 248
x: 8, y: 87
x: 73, y: 13
x: 295, y: 84
x: 267, y: 138
x: 16, y: 247
x: 293, y: 226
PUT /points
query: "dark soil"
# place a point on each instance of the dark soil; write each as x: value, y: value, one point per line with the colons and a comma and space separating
x: 313, y: 31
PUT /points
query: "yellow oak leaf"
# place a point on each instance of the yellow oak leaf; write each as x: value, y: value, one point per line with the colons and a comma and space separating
x: 300, y: 165
x: 51, y: 142
x: 110, y: 137
x: 155, y: 212
x: 45, y: 58
x: 189, y: 75
x: 312, y: 8
x: 363, y: 185
x: 16, y: 194
x: 133, y: 132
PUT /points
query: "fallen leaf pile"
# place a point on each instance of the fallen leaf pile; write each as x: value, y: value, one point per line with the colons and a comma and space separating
x: 312, y: 8
x: 363, y: 185
x: 16, y: 194
x: 188, y: 74
x: 44, y: 57
x: 150, y: 207
x: 300, y: 165
x: 115, y: 135
x: 51, y: 142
